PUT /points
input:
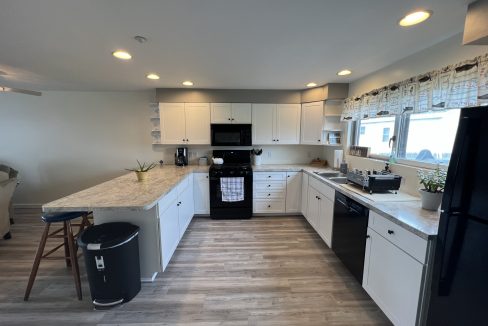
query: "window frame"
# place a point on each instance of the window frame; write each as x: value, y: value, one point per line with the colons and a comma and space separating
x: 400, y: 134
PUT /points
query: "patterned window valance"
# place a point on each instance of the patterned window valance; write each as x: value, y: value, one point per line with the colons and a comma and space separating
x: 452, y: 87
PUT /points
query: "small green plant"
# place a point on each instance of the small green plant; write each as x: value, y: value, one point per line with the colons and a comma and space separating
x: 433, y: 180
x: 144, y: 167
x: 257, y: 152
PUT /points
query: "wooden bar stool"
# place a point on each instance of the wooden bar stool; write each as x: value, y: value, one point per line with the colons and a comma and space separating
x: 69, y: 244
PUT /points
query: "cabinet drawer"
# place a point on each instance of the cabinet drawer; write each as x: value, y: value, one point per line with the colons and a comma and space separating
x: 269, y: 206
x: 275, y: 193
x: 404, y: 239
x: 269, y: 185
x: 324, y: 189
x: 269, y: 175
x: 185, y: 183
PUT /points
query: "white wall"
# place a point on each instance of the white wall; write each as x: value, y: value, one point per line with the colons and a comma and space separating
x: 449, y: 51
x: 63, y: 142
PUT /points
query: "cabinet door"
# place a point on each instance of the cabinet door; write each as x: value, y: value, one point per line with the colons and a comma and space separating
x: 185, y: 209
x: 313, y: 207
x: 197, y: 116
x: 304, y: 200
x: 287, y: 124
x: 241, y: 113
x: 201, y: 193
x: 172, y: 120
x: 170, y: 232
x: 312, y: 123
x: 393, y: 279
x: 221, y: 113
x: 293, y: 191
x: 262, y: 123
x: 325, y: 218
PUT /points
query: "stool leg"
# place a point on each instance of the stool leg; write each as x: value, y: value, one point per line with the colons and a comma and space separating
x: 66, y: 247
x: 37, y: 261
x: 74, y: 259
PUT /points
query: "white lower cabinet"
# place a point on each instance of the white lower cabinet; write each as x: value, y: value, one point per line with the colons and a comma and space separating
x: 269, y: 192
x: 320, y: 209
x: 175, y: 210
x: 304, y: 203
x: 201, y: 193
x: 392, y: 277
x: 293, y: 192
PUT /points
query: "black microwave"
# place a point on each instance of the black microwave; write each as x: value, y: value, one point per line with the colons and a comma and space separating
x: 231, y: 134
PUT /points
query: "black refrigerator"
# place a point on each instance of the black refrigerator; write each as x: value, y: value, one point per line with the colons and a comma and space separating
x: 459, y: 288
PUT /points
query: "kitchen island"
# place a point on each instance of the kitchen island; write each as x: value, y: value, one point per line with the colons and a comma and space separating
x: 163, y: 206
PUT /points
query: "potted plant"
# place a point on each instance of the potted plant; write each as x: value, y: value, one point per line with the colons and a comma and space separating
x: 257, y: 155
x: 433, y: 182
x: 142, y: 169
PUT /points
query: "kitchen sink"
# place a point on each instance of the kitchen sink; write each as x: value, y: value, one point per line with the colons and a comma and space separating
x: 340, y: 180
x: 329, y: 175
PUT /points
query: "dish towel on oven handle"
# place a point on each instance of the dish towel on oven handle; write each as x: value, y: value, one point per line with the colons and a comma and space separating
x: 232, y: 189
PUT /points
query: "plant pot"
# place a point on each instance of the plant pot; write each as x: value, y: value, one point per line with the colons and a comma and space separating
x: 430, y: 200
x: 257, y: 159
x: 141, y: 176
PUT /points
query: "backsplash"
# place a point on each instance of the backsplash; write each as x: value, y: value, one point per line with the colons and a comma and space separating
x: 281, y: 154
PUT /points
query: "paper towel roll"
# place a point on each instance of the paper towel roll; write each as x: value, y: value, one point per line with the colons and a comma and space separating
x: 338, y: 154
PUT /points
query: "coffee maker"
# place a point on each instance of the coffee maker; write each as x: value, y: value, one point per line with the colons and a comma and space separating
x: 181, y: 156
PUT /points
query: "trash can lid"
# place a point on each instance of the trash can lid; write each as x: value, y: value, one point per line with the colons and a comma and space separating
x: 107, y: 235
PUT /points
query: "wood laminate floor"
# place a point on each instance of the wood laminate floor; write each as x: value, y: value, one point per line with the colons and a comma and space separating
x: 263, y: 271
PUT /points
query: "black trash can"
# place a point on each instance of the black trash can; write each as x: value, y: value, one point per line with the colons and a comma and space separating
x: 111, y: 253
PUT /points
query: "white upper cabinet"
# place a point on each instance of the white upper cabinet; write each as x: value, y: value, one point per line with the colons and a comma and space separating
x: 185, y: 123
x: 197, y: 116
x: 172, y: 119
x: 276, y: 123
x: 312, y: 123
x: 262, y: 123
x: 287, y: 124
x: 231, y: 113
x: 241, y: 113
x: 221, y: 113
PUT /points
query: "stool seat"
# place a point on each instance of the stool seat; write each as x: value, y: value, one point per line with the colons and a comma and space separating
x: 61, y: 216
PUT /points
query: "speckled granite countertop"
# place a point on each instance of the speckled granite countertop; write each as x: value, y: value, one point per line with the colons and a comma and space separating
x: 125, y: 192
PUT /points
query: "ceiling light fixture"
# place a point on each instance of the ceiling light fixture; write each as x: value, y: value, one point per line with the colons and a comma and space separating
x: 415, y: 18
x: 344, y: 72
x: 140, y: 39
x: 187, y: 83
x: 152, y: 76
x: 312, y: 84
x: 123, y: 55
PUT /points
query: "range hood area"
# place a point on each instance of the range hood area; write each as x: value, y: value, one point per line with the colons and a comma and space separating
x: 476, y: 24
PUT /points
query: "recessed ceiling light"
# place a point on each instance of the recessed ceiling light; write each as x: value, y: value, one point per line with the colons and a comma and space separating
x: 187, y: 83
x: 344, y: 72
x: 152, y: 76
x: 415, y: 18
x: 123, y: 55
x: 312, y: 84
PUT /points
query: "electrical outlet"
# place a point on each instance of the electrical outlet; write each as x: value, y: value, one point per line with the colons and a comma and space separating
x: 269, y: 154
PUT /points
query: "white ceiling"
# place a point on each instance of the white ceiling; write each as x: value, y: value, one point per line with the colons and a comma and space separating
x: 254, y: 44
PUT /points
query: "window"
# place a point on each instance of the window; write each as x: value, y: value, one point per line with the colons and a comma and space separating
x: 386, y: 134
x: 429, y: 137
x: 374, y: 133
x: 422, y: 137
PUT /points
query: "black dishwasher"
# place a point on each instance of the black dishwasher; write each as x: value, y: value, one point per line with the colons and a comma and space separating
x: 349, y: 233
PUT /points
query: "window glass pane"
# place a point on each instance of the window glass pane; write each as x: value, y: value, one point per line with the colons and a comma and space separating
x: 430, y: 136
x: 376, y: 134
